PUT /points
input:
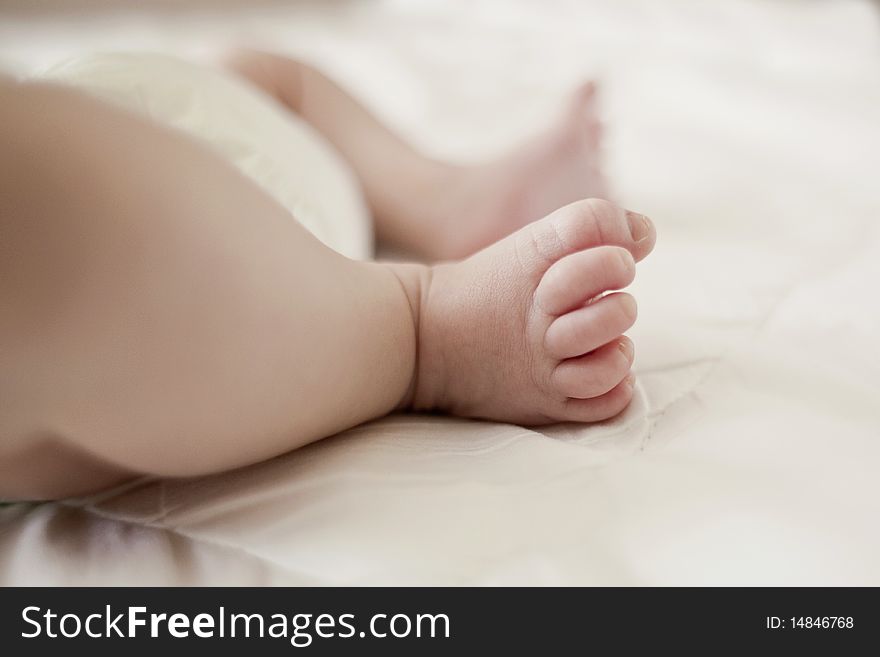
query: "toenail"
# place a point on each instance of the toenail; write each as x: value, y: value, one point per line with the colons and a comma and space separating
x: 626, y: 347
x: 628, y: 304
x: 639, y: 226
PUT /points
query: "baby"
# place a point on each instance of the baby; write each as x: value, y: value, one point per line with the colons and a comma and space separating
x: 163, y: 315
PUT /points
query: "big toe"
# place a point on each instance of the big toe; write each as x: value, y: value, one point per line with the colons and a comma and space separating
x: 586, y: 224
x: 582, y: 119
x: 584, y: 98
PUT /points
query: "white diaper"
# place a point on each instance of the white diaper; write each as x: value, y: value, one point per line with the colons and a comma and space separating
x: 270, y: 145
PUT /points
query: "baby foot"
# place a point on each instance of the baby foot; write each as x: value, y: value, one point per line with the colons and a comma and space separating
x: 527, y: 330
x: 491, y: 201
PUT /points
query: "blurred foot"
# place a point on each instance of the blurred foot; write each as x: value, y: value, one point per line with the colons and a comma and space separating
x: 484, y: 203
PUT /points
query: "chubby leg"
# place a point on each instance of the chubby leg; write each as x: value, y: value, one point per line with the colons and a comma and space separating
x: 160, y: 314
x: 436, y: 209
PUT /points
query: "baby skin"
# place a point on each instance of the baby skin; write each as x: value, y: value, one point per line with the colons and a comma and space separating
x: 529, y: 330
x: 176, y: 321
x: 433, y: 209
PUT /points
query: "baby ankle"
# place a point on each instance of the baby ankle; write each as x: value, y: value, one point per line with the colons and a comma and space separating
x: 415, y: 281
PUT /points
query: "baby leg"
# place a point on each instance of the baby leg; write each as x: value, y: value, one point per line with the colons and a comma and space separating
x: 161, y: 314
x: 431, y: 208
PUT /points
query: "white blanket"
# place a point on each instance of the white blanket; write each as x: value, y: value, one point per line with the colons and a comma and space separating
x: 748, y: 130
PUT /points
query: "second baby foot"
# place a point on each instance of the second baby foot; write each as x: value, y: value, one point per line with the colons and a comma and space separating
x: 530, y: 330
x: 487, y: 202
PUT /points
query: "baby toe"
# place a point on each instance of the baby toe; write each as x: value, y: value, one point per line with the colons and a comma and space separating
x: 583, y: 102
x: 593, y: 222
x: 585, y: 329
x: 602, y: 407
x: 581, y: 276
x: 596, y: 373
